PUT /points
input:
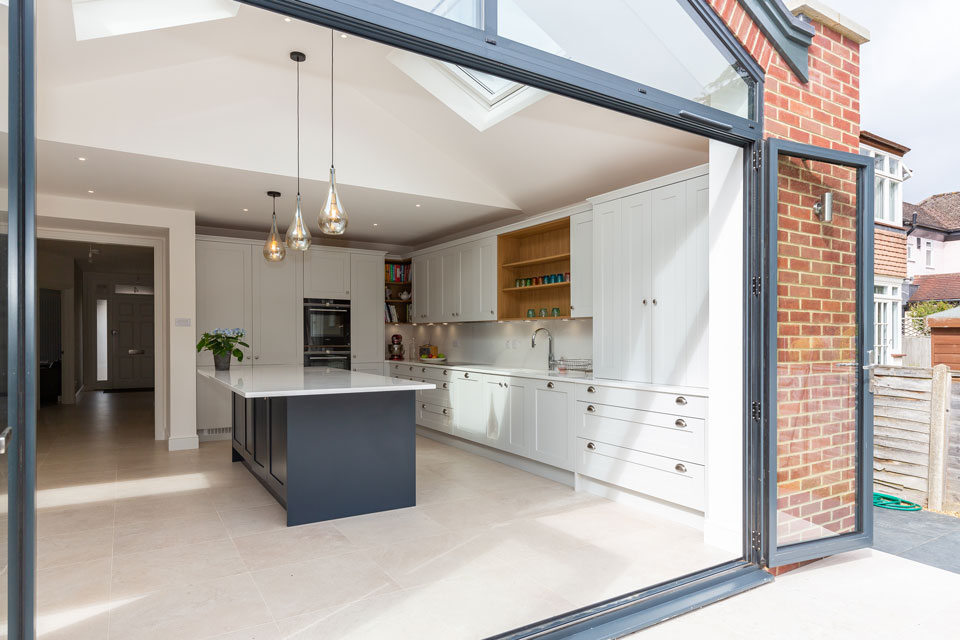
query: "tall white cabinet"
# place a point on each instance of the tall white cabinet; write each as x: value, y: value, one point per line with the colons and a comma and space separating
x: 277, y: 316
x: 650, y: 290
x: 366, y: 312
x: 581, y: 265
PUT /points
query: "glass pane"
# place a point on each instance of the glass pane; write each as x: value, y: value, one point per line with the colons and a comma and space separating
x: 893, y: 166
x: 817, y: 356
x: 893, y: 200
x: 880, y: 162
x: 467, y: 12
x: 102, y: 338
x: 878, y: 198
x: 7, y: 462
x: 652, y: 42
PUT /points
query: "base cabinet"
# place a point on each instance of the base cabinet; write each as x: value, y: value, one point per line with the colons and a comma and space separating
x: 504, y: 399
x: 550, y: 422
x: 260, y: 439
x: 467, y: 399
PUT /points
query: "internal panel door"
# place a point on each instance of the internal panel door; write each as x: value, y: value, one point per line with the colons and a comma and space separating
x: 817, y: 410
x: 133, y: 341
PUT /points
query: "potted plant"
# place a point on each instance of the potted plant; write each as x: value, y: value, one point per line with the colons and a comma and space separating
x: 224, y: 344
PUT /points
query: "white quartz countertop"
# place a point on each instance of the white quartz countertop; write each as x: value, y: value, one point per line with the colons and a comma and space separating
x: 280, y: 380
x: 542, y: 374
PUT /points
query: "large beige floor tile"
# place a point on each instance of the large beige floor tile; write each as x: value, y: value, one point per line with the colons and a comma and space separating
x: 450, y: 555
x: 190, y: 612
x: 389, y: 526
x: 294, y: 589
x: 163, y: 534
x: 243, y: 522
x: 63, y: 591
x: 180, y: 505
x: 52, y: 522
x: 291, y: 544
x: 138, y: 573
x: 268, y: 631
x: 70, y: 548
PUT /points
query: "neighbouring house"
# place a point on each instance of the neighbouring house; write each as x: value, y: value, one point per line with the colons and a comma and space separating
x: 934, y: 226
x: 890, y: 245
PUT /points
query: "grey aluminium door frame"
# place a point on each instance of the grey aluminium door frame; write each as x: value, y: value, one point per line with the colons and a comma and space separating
x: 21, y: 320
x: 773, y: 555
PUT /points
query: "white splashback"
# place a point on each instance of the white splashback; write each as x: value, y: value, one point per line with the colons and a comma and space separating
x: 500, y: 343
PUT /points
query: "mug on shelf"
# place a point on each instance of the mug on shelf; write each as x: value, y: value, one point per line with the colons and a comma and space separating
x: 555, y: 312
x: 531, y: 313
x: 543, y: 312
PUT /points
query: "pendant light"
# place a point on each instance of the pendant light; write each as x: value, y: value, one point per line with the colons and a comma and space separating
x: 273, y: 249
x: 298, y: 235
x: 333, y: 219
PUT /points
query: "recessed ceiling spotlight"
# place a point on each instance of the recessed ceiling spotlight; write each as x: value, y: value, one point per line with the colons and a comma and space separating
x: 246, y: 209
x: 89, y: 190
x: 286, y: 19
x: 82, y: 159
x: 417, y: 205
x: 343, y: 35
x: 375, y: 224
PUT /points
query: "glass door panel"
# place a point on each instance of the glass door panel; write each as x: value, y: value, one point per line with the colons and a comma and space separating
x: 821, y: 306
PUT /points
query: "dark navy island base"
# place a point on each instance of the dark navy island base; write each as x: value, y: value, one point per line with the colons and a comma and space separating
x: 330, y: 456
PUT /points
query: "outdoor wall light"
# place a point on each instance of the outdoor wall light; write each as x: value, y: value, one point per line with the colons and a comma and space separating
x: 824, y: 208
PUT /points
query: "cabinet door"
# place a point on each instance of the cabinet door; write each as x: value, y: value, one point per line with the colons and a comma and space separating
x: 488, y: 279
x: 435, y: 294
x: 326, y: 274
x: 636, y: 296
x: 239, y: 420
x: 550, y: 422
x: 213, y: 404
x: 421, y: 289
x: 607, y: 289
x: 366, y: 307
x: 278, y: 309
x: 581, y: 265
x: 469, y: 287
x: 261, y: 431
x: 694, y: 325
x: 450, y: 289
x: 224, y: 290
x: 669, y: 277
x: 496, y: 409
x: 467, y: 400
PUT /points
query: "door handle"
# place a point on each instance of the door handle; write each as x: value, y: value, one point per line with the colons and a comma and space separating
x: 3, y: 439
x: 136, y: 352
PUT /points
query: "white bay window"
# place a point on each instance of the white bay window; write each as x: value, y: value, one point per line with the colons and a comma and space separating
x: 888, y: 314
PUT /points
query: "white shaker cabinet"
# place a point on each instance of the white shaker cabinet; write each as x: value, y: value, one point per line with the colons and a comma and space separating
x: 467, y: 399
x: 450, y: 285
x: 634, y: 339
x: 435, y: 288
x: 420, y: 288
x: 550, y: 421
x: 224, y: 290
x: 488, y: 279
x: 277, y: 335
x: 366, y: 308
x: 581, y: 265
x: 607, y: 289
x: 469, y: 285
x: 326, y: 273
x: 503, y: 409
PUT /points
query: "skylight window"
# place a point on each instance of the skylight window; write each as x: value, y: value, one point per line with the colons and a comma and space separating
x: 104, y: 18
x: 480, y: 98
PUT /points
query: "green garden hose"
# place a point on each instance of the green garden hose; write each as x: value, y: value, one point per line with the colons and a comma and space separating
x: 885, y: 501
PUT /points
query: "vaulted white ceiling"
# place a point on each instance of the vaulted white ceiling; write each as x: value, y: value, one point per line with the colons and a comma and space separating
x: 202, y: 116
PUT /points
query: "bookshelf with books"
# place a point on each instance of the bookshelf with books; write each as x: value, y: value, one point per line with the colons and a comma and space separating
x: 398, y: 289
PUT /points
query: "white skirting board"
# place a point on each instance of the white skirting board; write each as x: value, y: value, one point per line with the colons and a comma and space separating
x: 519, y: 462
x: 647, y: 504
x: 183, y: 443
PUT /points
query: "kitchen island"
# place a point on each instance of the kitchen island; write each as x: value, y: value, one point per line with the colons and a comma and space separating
x: 326, y: 443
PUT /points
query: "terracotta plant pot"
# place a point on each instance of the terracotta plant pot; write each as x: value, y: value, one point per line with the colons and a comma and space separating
x: 222, y: 363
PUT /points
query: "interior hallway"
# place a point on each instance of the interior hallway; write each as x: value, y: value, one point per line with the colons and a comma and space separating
x: 138, y: 542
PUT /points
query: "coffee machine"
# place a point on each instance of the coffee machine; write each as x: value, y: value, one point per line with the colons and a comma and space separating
x: 395, y: 348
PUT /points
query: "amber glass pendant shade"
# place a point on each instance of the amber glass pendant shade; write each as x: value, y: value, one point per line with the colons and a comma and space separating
x: 333, y: 218
x: 298, y: 235
x: 273, y: 248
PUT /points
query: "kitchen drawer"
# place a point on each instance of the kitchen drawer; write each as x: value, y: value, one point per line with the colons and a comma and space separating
x: 642, y: 400
x: 664, y: 478
x: 439, y: 396
x: 460, y: 375
x: 435, y: 417
x: 431, y: 373
x: 663, y: 434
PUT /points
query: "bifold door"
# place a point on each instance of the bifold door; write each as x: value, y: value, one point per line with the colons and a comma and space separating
x: 818, y: 412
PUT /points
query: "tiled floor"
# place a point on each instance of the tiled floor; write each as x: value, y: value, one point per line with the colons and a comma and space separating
x: 136, y: 542
x: 925, y: 536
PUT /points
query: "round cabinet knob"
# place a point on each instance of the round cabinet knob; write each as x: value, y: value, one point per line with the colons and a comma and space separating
x: 591, y: 446
x: 591, y: 389
x: 410, y: 368
x: 571, y: 307
x: 550, y: 385
x: 654, y: 301
x: 466, y: 375
x: 256, y: 357
x: 681, y: 467
x: 591, y: 408
x: 423, y: 369
x: 444, y: 385
x: 492, y: 312
x: 681, y: 400
x: 680, y: 422
x: 644, y: 301
x: 354, y: 356
x: 423, y: 406
x: 445, y: 412
x: 444, y: 372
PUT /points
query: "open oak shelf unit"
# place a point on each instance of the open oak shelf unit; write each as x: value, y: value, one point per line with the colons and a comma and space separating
x: 393, y: 290
x: 527, y: 253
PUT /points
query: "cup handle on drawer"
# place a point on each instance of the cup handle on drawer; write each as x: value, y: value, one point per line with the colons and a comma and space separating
x: 444, y: 385
x: 466, y: 375
x: 682, y: 468
x: 591, y: 389
x: 681, y: 400
x: 680, y: 422
x: 591, y: 446
x: 591, y: 408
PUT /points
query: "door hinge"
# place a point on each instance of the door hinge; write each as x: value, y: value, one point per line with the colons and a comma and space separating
x: 758, y: 158
x: 755, y: 411
x: 756, y: 285
x: 755, y: 540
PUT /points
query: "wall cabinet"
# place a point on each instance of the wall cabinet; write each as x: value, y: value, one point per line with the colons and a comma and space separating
x: 326, y: 274
x: 650, y: 290
x: 277, y: 328
x: 450, y: 285
x: 457, y: 284
x: 581, y: 265
x: 421, y: 289
x: 366, y: 308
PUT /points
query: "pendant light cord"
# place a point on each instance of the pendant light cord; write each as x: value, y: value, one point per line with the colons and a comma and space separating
x: 331, y: 97
x: 298, y: 129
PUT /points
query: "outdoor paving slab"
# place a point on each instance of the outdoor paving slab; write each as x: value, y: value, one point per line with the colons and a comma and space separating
x: 942, y: 552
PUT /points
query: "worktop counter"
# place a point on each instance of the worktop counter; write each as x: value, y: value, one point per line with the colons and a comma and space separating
x: 277, y: 381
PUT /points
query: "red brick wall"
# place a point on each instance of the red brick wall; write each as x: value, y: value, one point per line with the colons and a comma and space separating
x: 889, y: 253
x: 817, y: 279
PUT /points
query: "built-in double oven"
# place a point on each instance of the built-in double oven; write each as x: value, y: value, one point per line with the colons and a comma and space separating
x: 326, y: 333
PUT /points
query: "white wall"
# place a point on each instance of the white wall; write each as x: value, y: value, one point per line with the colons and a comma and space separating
x: 175, y: 283
x: 946, y: 257
x: 500, y: 343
